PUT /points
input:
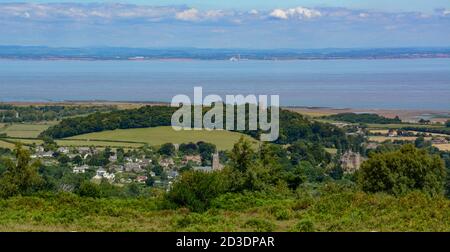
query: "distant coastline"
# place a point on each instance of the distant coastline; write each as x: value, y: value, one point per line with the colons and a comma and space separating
x: 185, y: 54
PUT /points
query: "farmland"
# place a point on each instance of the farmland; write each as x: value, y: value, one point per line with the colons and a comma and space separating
x: 160, y: 135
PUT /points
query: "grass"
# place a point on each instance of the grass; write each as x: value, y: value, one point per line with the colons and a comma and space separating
x: 337, y: 212
x: 442, y: 147
x: 224, y: 140
x: 24, y: 130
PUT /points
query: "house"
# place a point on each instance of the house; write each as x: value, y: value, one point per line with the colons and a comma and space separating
x: 80, y: 169
x: 141, y: 179
x: 42, y: 154
x: 197, y: 159
x: 166, y: 162
x: 84, y: 150
x: 202, y: 168
x: 112, y: 158
x: 132, y: 167
x: 63, y: 150
x: 351, y: 161
x: 116, y: 168
x: 102, y: 173
x: 392, y: 133
x: 172, y: 174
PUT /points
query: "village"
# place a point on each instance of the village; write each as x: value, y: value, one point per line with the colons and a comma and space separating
x: 146, y: 165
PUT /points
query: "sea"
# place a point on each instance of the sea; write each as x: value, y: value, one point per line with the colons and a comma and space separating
x: 372, y: 84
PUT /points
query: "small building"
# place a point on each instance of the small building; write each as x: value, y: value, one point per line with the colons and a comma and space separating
x: 112, y: 158
x: 132, y: 167
x: 80, y: 169
x: 102, y: 173
x: 197, y: 159
x: 141, y: 179
x: 63, y: 150
x: 166, y: 162
x: 202, y: 168
x: 392, y: 133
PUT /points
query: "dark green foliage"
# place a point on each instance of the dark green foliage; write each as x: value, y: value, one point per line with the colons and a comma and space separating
x: 447, y: 124
x: 195, y: 190
x: 188, y: 148
x: 148, y: 116
x: 89, y: 189
x: 402, y: 171
x: 362, y: 118
x: 11, y: 113
x: 21, y: 176
x: 206, y: 150
x: 167, y: 149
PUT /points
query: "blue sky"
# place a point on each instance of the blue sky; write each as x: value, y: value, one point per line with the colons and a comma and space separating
x: 231, y: 23
x: 386, y: 5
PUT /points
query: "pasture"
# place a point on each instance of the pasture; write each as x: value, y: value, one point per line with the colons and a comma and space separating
x: 224, y: 140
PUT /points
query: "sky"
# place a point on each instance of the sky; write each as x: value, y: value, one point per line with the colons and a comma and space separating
x: 227, y: 24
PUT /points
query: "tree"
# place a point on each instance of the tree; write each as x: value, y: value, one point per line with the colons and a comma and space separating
x: 89, y: 189
x: 195, y: 190
x: 167, y: 149
x: 20, y: 177
x: 206, y: 150
x: 242, y: 155
x: 402, y: 171
x: 447, y: 124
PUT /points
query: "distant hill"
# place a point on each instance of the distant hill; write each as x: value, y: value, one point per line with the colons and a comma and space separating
x: 124, y: 53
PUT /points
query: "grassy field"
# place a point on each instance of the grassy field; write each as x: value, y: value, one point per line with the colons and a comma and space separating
x: 159, y: 135
x: 443, y: 147
x: 24, y: 130
x: 338, y: 211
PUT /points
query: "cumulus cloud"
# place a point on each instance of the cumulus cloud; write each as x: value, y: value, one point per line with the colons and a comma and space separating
x: 298, y: 12
x: 188, y: 15
x: 145, y: 13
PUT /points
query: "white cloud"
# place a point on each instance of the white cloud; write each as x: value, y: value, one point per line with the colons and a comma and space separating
x: 188, y: 15
x: 446, y: 12
x: 298, y: 12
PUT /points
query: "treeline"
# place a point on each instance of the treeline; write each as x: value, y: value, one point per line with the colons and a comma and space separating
x: 10, y: 113
x: 362, y: 118
x: 445, y: 131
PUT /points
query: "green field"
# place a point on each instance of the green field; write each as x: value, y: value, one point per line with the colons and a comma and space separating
x: 159, y: 135
x: 23, y: 130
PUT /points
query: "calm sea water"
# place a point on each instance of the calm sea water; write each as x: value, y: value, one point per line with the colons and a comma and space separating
x: 401, y: 84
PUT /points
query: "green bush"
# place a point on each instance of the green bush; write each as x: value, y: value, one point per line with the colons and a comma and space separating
x: 89, y: 189
x: 401, y: 171
x: 195, y: 190
x: 260, y: 225
x: 305, y: 225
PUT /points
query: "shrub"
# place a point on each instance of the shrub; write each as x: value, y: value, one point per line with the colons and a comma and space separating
x: 402, y: 171
x: 260, y: 225
x: 195, y: 190
x: 89, y: 189
x: 305, y: 225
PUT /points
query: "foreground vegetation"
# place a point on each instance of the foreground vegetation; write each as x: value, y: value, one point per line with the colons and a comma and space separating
x: 327, y: 208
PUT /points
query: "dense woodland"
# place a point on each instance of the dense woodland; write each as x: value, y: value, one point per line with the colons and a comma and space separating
x: 362, y: 118
x: 10, y: 113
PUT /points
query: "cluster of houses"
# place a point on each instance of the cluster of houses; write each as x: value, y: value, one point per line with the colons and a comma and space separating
x: 132, y: 169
